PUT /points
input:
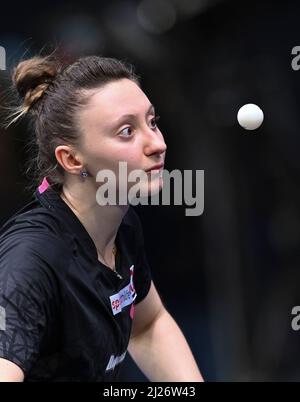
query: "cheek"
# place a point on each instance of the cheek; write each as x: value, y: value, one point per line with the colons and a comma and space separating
x: 100, y: 155
x: 107, y: 154
x: 133, y: 161
x: 130, y: 154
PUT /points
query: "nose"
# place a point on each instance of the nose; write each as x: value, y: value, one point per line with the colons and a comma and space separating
x: 154, y: 143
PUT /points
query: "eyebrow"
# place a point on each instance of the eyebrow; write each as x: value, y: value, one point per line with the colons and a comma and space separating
x: 130, y: 116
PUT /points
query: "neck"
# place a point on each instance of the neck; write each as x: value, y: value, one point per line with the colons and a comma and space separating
x: 101, y: 222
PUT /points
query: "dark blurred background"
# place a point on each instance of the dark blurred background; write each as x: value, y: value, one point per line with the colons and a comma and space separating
x: 231, y: 276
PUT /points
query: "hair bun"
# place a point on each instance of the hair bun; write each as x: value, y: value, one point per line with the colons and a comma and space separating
x: 32, y: 77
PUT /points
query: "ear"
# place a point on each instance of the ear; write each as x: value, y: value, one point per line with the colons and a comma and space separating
x: 69, y: 160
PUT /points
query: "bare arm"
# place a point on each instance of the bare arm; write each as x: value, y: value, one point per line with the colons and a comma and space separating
x: 10, y: 372
x: 157, y: 344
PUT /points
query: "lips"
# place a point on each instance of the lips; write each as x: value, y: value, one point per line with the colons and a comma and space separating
x: 156, y: 167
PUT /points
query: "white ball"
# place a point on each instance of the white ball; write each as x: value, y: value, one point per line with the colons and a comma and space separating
x: 250, y: 116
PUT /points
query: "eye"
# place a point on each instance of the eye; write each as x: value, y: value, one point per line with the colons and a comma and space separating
x: 154, y: 121
x: 127, y: 133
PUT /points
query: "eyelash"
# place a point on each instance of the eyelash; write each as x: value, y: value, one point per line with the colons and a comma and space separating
x: 156, y: 118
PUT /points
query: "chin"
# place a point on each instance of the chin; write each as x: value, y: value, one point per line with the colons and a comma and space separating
x: 149, y: 189
x: 155, y: 186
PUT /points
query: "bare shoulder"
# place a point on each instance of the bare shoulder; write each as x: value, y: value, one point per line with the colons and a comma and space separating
x: 10, y: 372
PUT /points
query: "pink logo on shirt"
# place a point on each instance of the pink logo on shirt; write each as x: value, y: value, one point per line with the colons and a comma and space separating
x: 124, y: 297
x: 44, y: 185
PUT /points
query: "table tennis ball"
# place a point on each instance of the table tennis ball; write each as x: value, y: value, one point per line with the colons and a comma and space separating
x: 250, y: 116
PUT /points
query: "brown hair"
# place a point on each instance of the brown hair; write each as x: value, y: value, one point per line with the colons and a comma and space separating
x: 51, y: 95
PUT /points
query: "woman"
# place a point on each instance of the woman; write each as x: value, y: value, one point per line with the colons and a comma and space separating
x: 75, y: 287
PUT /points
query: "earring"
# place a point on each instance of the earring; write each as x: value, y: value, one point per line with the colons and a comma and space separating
x: 84, y: 174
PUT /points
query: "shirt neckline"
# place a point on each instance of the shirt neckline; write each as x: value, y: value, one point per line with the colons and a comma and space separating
x: 53, y: 202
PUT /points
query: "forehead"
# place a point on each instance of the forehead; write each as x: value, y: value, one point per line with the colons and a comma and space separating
x: 114, y: 100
